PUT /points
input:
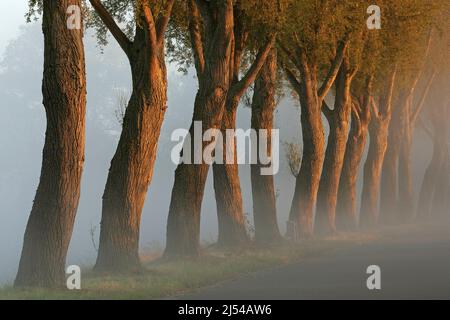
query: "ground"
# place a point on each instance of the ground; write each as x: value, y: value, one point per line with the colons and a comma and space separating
x: 414, y: 262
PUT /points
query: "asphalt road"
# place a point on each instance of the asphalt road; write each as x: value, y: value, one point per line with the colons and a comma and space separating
x: 414, y: 265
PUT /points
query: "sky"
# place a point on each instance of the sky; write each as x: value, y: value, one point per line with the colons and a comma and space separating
x: 11, y: 22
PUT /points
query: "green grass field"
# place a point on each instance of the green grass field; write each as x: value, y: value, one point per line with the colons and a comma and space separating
x: 168, y: 278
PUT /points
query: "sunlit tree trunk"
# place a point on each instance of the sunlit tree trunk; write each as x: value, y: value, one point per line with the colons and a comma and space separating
x: 339, y: 121
x: 378, y: 132
x: 132, y: 166
x: 347, y: 211
x: 230, y: 212
x: 311, y: 100
x: 389, y: 179
x: 214, y: 55
x: 213, y: 58
x: 232, y: 222
x: 52, y: 217
x: 263, y: 189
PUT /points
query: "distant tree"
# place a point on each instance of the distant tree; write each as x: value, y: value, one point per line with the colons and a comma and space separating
x: 416, y: 30
x: 52, y: 217
x: 435, y: 188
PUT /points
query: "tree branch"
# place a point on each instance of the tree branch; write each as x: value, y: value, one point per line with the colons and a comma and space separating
x: 327, y: 111
x: 148, y: 16
x: 112, y: 26
x: 422, y: 68
x: 357, y: 117
x: 291, y: 56
x: 239, y: 88
x: 163, y: 21
x: 334, y: 69
x: 390, y: 93
x: 375, y: 110
x: 292, y: 79
x: 196, y: 38
x: 421, y: 103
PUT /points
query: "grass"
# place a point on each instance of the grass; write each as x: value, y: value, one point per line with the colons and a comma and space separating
x: 168, y: 278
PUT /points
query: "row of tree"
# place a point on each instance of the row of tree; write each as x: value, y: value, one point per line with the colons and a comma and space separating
x: 380, y: 80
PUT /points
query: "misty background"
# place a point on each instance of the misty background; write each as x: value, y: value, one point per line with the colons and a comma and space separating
x: 22, y: 130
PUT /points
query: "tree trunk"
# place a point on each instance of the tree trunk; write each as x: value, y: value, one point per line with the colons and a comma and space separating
x: 379, y: 135
x: 347, y: 212
x: 339, y: 121
x: 311, y: 100
x: 378, y: 132
x: 410, y: 115
x: 441, y: 196
x: 429, y: 183
x: 263, y: 189
x: 389, y: 179
x: 132, y: 166
x: 213, y: 65
x: 405, y: 183
x: 230, y: 212
x: 52, y: 217
x: 307, y: 182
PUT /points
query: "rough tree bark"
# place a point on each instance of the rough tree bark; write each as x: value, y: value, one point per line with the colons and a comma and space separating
x: 263, y: 189
x: 339, y: 121
x: 347, y: 211
x: 311, y: 100
x: 212, y: 50
x: 378, y: 132
x: 52, y: 217
x: 232, y: 224
x: 132, y: 165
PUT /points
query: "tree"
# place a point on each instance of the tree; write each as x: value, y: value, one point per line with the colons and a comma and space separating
x: 232, y: 231
x: 378, y: 131
x: 397, y: 197
x: 435, y: 188
x: 132, y: 165
x: 52, y: 217
x: 339, y: 118
x: 307, y: 43
x: 263, y: 189
x: 436, y: 175
x: 215, y: 41
x: 347, y: 211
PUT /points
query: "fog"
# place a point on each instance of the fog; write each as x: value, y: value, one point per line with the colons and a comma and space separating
x: 22, y: 129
